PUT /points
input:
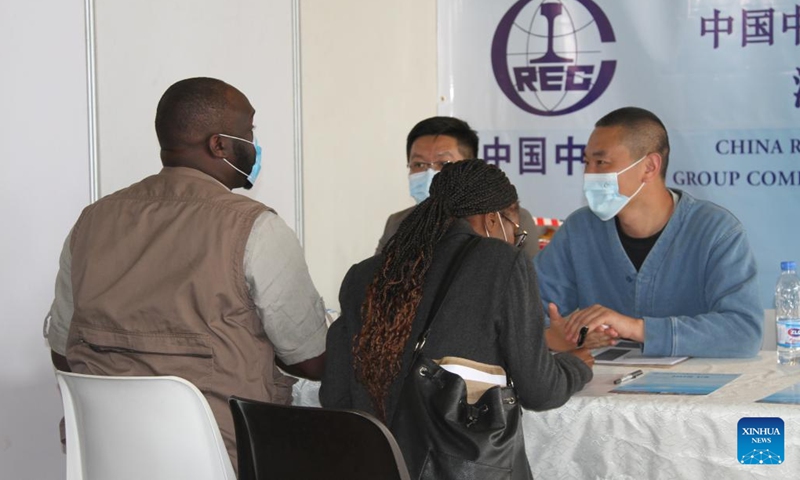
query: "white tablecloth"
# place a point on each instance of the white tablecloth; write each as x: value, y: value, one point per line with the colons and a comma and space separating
x: 601, y: 435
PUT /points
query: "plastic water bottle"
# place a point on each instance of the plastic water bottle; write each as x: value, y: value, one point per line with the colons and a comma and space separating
x: 787, y: 314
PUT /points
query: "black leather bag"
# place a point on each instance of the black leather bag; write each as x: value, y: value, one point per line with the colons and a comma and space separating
x: 444, y: 437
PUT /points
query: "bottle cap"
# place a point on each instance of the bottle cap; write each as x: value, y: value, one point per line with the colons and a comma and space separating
x: 788, y: 265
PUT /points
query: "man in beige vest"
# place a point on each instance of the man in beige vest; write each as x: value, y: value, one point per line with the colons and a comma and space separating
x: 177, y: 275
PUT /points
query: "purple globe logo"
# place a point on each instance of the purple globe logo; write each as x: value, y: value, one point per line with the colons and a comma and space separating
x: 548, y: 56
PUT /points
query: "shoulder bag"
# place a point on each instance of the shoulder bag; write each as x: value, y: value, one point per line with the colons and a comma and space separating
x: 441, y: 434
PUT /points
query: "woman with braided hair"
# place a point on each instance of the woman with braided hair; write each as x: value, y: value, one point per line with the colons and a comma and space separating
x: 491, y: 314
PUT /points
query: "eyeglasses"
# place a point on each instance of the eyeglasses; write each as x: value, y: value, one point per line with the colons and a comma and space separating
x: 417, y: 167
x: 519, y: 238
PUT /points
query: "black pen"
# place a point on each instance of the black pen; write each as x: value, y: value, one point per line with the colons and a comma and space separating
x: 628, y: 377
x: 582, y: 335
x: 583, y: 332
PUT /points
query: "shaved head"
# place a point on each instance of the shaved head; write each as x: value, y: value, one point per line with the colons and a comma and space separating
x: 643, y: 133
x: 191, y: 110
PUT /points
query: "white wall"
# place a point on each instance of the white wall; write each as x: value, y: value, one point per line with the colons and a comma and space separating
x: 44, y: 187
x: 369, y: 74
x: 145, y: 46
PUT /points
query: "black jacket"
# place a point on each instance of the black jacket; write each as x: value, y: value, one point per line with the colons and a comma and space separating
x: 492, y: 314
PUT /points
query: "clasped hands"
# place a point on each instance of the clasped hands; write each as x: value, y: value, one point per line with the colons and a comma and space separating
x: 604, y: 326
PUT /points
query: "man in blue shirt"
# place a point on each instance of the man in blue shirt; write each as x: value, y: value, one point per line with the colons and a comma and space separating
x: 645, y: 262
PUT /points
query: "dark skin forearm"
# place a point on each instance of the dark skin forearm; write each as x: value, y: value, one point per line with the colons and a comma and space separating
x: 311, y: 369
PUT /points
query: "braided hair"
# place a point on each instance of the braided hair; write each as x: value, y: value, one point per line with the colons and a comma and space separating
x: 461, y: 189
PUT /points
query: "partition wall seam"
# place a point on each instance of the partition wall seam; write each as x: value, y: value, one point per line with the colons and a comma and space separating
x: 91, y: 97
x: 298, y: 123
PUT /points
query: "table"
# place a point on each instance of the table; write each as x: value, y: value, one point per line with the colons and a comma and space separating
x: 602, y: 435
x: 612, y: 436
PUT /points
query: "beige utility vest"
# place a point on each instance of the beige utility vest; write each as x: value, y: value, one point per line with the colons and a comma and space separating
x: 159, y: 289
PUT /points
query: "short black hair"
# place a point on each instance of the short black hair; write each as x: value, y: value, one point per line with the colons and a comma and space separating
x: 644, y: 132
x: 191, y: 109
x: 466, y: 138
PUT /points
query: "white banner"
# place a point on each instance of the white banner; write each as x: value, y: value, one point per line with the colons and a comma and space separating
x: 532, y: 77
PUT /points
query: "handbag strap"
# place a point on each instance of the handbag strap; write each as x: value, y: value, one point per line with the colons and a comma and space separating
x: 452, y: 269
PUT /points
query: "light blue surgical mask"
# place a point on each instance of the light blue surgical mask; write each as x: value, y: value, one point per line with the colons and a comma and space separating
x: 253, y: 175
x: 419, y: 184
x: 602, y: 192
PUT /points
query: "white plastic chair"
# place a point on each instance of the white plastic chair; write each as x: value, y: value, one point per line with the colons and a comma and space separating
x: 140, y: 428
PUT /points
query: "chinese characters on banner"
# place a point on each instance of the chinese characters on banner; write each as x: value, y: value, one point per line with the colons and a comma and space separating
x: 532, y: 155
x: 533, y: 76
x: 757, y: 25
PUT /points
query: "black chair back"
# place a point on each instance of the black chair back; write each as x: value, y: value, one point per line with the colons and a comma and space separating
x: 305, y: 443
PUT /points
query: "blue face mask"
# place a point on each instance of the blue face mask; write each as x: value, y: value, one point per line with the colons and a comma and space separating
x: 419, y: 184
x: 256, y: 166
x: 602, y: 192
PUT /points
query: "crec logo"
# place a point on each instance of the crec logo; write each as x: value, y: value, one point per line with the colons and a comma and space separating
x: 548, y: 57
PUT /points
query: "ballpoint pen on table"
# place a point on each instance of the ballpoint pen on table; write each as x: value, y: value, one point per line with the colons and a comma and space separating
x: 628, y: 377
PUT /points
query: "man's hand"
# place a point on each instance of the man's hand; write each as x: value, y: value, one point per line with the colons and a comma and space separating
x: 556, y: 336
x: 599, y: 338
x: 601, y: 319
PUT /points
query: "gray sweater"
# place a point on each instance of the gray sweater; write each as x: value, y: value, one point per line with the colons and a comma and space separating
x: 492, y: 314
